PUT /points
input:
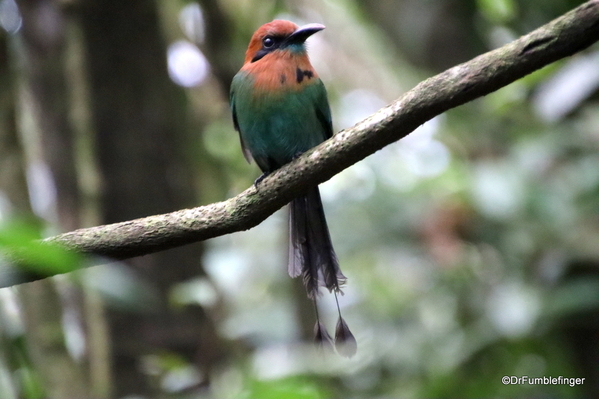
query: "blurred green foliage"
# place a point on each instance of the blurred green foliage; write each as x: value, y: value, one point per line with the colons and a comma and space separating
x: 21, y: 240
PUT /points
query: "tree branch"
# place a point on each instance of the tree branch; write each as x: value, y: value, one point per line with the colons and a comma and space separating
x: 560, y: 38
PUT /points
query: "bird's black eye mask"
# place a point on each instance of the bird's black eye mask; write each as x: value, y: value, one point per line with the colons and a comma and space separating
x: 270, y: 43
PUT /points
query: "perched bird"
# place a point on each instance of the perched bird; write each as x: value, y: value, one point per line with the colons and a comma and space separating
x: 280, y: 109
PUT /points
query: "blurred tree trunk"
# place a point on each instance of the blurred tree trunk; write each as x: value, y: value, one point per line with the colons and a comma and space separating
x: 14, y: 200
x: 42, y: 312
x: 43, y: 114
x: 219, y: 41
x: 12, y: 173
x: 139, y: 118
x: 45, y: 103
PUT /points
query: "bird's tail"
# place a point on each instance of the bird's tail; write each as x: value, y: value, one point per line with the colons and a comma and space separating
x: 311, y: 252
x: 312, y: 256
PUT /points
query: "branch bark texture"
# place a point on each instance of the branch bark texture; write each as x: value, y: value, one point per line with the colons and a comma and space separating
x: 482, y: 75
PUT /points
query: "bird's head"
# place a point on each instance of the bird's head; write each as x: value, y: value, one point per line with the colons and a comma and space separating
x: 279, y: 35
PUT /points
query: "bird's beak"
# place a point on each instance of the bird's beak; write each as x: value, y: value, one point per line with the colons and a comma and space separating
x: 304, y: 32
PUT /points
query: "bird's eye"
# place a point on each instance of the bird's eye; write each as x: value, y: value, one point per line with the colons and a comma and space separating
x: 268, y: 42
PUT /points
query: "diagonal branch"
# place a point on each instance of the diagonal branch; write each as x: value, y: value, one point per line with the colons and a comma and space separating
x: 560, y: 38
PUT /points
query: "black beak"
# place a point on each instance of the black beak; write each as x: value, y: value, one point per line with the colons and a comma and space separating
x: 304, y: 32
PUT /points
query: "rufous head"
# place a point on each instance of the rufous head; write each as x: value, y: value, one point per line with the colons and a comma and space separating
x: 279, y: 35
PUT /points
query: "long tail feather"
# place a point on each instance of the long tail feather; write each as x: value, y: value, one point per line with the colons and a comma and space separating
x: 311, y: 252
x: 345, y: 342
x: 322, y: 338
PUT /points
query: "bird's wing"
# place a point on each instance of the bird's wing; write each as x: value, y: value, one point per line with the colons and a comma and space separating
x: 246, y: 152
x: 323, y: 111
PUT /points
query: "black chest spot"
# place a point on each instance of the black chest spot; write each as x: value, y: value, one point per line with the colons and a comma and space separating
x: 300, y: 74
x: 283, y: 78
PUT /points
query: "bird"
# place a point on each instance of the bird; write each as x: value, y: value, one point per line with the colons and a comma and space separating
x: 280, y: 110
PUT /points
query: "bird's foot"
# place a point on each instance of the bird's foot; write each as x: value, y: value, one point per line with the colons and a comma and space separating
x: 259, y: 179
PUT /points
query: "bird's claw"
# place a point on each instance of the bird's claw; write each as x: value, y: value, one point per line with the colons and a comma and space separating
x: 259, y: 179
